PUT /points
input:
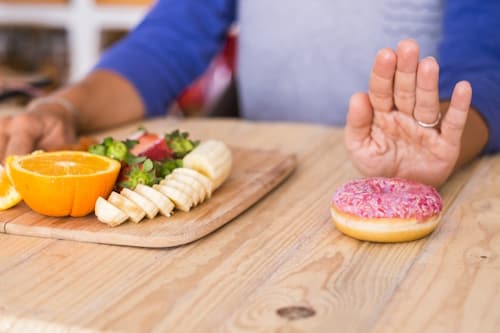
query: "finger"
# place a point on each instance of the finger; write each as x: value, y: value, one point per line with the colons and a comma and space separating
x: 3, y: 145
x: 4, y: 123
x: 405, y: 80
x: 24, y: 132
x: 381, y: 81
x: 19, y: 145
x: 359, y: 120
x: 453, y: 123
x: 427, y: 95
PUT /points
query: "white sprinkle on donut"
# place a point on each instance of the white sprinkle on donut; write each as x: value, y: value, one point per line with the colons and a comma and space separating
x: 388, y: 198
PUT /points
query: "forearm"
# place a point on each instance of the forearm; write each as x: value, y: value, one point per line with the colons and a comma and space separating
x: 103, y: 99
x: 170, y: 48
x: 464, y: 56
x: 474, y: 137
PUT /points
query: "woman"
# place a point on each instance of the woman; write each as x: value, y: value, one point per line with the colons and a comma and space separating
x: 301, y: 61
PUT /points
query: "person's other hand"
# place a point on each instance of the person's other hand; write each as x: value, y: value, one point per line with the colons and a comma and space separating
x: 47, y: 127
x: 383, y: 135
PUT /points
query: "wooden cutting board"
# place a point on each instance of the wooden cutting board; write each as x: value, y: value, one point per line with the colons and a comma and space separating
x: 254, y: 174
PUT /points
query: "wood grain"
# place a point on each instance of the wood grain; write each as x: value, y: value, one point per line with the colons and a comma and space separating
x: 254, y: 173
x: 10, y: 214
x: 344, y: 281
x: 280, y: 267
x: 454, y: 285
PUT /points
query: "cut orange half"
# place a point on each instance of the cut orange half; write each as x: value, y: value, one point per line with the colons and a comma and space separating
x: 9, y: 197
x: 63, y: 183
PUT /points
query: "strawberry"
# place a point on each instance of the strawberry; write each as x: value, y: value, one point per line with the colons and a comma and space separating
x: 141, y: 173
x: 153, y: 147
x: 180, y: 143
x: 165, y: 168
x: 117, y: 150
x: 146, y: 157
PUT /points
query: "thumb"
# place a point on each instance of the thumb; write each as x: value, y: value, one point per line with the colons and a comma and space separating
x: 359, y: 120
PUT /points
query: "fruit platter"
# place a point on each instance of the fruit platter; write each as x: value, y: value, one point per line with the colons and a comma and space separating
x: 148, y: 189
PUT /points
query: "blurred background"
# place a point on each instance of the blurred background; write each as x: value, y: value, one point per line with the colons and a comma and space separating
x: 47, y: 43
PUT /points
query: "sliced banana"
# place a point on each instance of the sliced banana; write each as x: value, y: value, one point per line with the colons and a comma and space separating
x: 203, y: 180
x: 133, y: 211
x: 148, y: 206
x: 205, y: 169
x: 179, y: 198
x: 185, y: 187
x: 109, y: 213
x: 216, y: 171
x: 163, y: 203
x: 213, y: 159
x: 193, y: 183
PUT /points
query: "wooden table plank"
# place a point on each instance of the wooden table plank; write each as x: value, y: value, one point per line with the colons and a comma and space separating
x: 8, y: 215
x: 282, y: 252
x: 291, y: 220
x: 226, y: 280
x: 346, y: 282
x: 106, y: 288
x: 454, y: 286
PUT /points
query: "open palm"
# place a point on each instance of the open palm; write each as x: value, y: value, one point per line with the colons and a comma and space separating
x: 383, y: 136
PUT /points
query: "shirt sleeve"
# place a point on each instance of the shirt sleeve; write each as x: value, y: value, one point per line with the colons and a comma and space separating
x: 171, y: 47
x: 470, y: 50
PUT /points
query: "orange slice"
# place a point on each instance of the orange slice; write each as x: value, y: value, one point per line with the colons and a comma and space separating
x: 63, y: 183
x: 9, y: 197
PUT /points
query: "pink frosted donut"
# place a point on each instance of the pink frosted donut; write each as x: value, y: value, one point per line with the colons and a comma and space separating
x: 386, y: 209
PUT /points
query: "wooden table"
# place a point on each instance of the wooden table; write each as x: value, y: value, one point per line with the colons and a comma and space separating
x: 281, y: 266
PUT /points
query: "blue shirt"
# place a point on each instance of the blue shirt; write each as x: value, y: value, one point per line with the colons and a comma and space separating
x: 177, y: 39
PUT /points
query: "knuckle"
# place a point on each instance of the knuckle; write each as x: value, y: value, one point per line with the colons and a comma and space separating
x: 404, y: 95
x: 427, y: 108
x: 23, y: 118
x: 452, y: 125
x: 23, y: 121
x: 381, y: 101
x: 25, y: 125
x: 4, y: 123
x: 380, y: 94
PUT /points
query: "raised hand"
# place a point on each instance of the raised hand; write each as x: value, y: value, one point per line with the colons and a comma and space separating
x: 397, y: 130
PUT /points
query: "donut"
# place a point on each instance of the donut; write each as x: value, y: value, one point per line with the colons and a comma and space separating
x: 386, y: 210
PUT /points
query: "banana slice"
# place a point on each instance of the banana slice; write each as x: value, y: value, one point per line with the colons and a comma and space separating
x: 179, y: 198
x: 211, y: 158
x: 185, y: 187
x: 194, y: 184
x: 109, y: 213
x: 201, y: 179
x: 133, y: 211
x: 159, y: 199
x: 149, y: 207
